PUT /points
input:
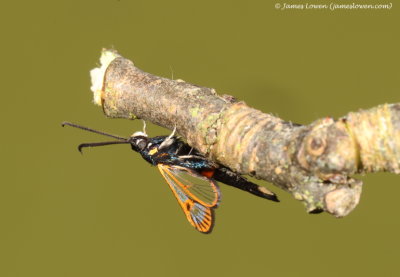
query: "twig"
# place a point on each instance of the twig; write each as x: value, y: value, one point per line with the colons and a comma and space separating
x: 312, y: 162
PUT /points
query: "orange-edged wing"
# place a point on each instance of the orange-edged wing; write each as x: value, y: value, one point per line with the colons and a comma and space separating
x: 196, y: 195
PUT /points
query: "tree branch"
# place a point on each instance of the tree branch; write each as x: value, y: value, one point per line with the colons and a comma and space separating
x: 312, y: 162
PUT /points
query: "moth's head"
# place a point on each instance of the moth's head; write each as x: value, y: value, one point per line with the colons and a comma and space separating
x: 139, y: 141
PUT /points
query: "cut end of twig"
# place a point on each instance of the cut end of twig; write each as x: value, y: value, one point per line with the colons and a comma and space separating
x: 97, y: 74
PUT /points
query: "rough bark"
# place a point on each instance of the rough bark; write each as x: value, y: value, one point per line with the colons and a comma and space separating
x: 313, y: 162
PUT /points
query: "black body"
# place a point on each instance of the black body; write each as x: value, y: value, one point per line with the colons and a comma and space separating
x: 173, y: 151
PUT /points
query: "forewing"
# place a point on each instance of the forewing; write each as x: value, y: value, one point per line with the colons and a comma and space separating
x: 199, y: 188
x: 199, y: 215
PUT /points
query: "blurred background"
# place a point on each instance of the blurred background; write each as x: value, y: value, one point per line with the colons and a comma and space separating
x: 109, y: 213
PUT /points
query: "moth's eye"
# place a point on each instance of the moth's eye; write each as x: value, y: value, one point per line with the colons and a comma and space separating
x: 141, y: 144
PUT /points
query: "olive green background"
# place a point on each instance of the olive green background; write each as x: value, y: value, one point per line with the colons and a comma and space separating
x: 108, y: 213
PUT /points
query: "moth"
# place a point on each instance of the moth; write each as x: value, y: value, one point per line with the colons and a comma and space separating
x: 190, y: 175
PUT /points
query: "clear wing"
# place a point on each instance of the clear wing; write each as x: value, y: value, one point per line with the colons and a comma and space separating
x: 196, y: 195
x: 199, y: 188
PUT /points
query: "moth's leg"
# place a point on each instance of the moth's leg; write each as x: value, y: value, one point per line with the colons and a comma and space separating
x: 168, y: 140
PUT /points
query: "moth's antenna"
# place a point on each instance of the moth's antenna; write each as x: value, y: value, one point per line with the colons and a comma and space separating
x: 92, y: 130
x: 94, y: 144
